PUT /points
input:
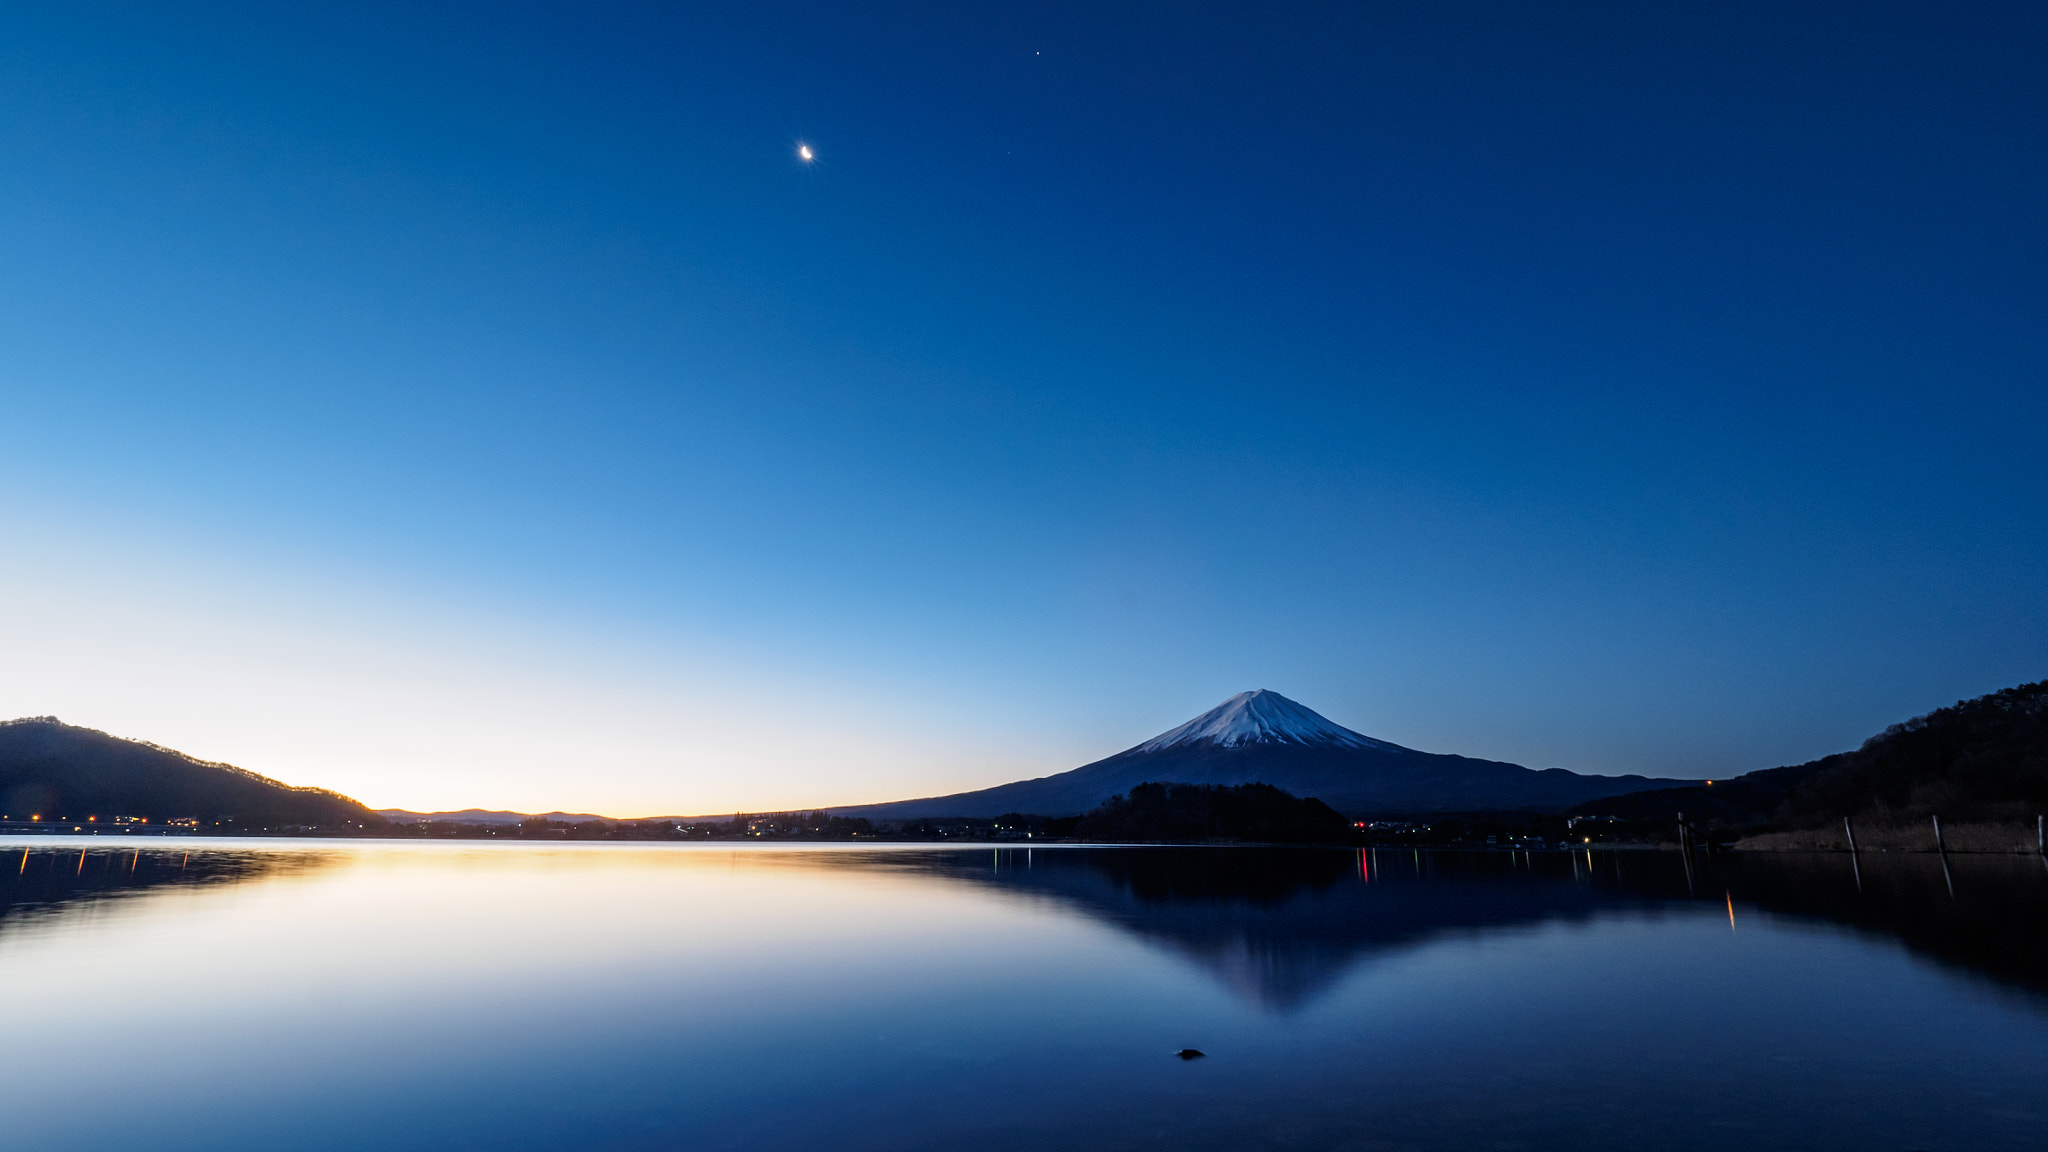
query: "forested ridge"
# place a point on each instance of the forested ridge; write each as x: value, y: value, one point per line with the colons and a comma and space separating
x: 58, y: 771
x: 1982, y: 760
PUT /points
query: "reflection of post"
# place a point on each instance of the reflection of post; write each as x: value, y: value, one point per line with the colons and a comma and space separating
x: 2041, y: 835
x: 1943, y: 849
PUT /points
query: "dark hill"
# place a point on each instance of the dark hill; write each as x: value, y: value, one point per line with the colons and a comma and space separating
x: 1981, y: 760
x: 55, y: 770
x: 1156, y: 813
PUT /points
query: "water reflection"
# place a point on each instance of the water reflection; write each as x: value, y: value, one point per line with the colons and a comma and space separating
x: 1281, y: 927
x: 365, y: 995
x: 50, y: 880
x: 1278, y: 927
x: 1986, y: 915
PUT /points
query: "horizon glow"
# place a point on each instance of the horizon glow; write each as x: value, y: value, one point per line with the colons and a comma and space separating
x: 500, y: 420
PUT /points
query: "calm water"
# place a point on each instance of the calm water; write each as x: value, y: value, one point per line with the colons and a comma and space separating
x: 331, y: 995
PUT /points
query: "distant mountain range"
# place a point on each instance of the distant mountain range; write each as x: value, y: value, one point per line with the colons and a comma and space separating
x: 482, y: 816
x: 1263, y: 737
x: 1984, y: 759
x: 53, y: 770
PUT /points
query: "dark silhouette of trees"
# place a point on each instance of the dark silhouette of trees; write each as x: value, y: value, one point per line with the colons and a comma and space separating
x: 55, y: 770
x: 1197, y: 812
x: 1978, y: 760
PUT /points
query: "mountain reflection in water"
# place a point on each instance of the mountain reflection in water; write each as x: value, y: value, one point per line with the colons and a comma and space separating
x: 531, y: 998
x: 1282, y: 926
x: 1279, y: 927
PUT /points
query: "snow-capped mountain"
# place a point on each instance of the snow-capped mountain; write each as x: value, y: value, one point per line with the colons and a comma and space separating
x: 1263, y: 737
x: 1261, y: 717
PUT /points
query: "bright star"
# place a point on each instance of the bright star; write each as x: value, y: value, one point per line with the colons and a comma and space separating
x: 803, y: 153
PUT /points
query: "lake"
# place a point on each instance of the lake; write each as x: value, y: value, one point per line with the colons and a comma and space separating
x: 305, y: 994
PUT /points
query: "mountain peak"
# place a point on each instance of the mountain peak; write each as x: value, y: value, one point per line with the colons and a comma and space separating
x: 1260, y: 717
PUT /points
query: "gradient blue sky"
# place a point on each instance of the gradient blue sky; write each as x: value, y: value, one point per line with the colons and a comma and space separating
x: 481, y: 404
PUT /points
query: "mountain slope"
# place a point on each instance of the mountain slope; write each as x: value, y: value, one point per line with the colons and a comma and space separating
x: 1263, y: 737
x: 1984, y: 759
x: 53, y: 769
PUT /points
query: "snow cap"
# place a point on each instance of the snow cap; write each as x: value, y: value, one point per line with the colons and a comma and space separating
x: 1260, y: 717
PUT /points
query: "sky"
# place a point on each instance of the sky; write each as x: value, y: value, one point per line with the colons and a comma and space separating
x: 486, y: 405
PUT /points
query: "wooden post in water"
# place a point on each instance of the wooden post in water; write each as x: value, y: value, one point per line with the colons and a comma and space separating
x: 2041, y: 835
x: 1946, y: 876
x: 1855, y: 868
x: 1685, y: 852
